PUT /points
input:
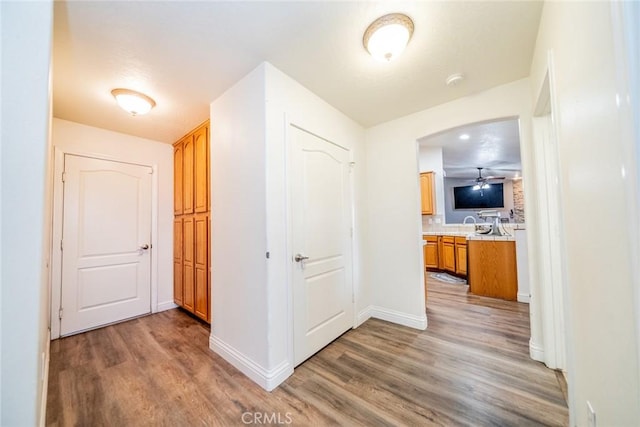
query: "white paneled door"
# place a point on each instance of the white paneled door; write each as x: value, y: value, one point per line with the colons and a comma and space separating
x: 322, y: 261
x: 106, y: 246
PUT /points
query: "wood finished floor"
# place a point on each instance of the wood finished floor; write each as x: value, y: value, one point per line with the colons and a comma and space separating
x: 469, y: 368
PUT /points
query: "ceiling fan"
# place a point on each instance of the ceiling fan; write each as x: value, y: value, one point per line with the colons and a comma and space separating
x: 482, y: 182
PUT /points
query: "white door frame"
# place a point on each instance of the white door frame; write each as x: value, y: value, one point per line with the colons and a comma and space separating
x: 290, y: 249
x: 549, y: 304
x: 57, y: 216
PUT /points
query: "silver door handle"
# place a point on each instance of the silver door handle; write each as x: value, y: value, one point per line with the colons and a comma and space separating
x: 300, y: 257
x: 144, y: 247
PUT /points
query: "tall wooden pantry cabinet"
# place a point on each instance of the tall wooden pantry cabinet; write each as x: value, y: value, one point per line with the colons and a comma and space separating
x: 192, y: 223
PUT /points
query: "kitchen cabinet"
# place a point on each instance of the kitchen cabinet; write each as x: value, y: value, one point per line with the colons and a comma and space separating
x: 492, y: 269
x: 448, y: 254
x: 427, y: 193
x: 431, y: 252
x: 461, y: 255
x: 192, y: 216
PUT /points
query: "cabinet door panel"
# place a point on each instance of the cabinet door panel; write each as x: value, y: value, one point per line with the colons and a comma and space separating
x: 449, y: 255
x: 431, y: 254
x: 188, y: 264
x: 200, y: 162
x: 201, y: 266
x: 426, y: 192
x: 177, y: 261
x: 177, y: 179
x: 461, y: 259
x: 187, y: 175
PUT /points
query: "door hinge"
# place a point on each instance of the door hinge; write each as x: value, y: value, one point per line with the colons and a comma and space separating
x: 61, y: 244
x: 64, y: 176
x: 60, y: 313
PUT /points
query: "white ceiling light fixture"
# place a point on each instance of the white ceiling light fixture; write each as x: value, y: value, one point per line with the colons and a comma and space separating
x: 135, y: 103
x: 464, y: 136
x: 454, y: 79
x: 387, y: 36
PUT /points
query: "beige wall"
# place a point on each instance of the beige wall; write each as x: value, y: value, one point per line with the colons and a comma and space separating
x: 599, y: 201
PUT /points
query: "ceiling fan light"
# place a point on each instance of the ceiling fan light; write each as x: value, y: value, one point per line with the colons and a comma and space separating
x: 388, y: 36
x: 476, y: 187
x: 485, y: 186
x: 135, y: 103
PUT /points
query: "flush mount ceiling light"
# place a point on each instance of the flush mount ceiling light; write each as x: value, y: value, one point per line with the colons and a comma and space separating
x: 135, y: 103
x: 464, y: 136
x: 454, y: 79
x: 387, y: 36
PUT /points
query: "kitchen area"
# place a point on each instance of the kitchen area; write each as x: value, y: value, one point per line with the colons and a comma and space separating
x: 472, y: 205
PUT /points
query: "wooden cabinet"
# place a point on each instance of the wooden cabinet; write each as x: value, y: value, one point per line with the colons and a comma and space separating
x: 192, y: 266
x: 427, y: 193
x: 177, y: 179
x: 431, y: 252
x: 187, y: 175
x: 461, y: 255
x: 448, y: 254
x: 492, y: 269
x: 201, y: 167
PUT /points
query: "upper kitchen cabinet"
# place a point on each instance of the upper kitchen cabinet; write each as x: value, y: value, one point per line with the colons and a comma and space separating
x: 426, y: 190
x: 177, y: 176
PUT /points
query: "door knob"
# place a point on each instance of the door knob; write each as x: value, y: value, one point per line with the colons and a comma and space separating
x: 300, y: 257
x: 144, y: 247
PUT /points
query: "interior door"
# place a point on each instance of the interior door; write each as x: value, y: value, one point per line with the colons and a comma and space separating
x: 106, y: 258
x: 322, y: 264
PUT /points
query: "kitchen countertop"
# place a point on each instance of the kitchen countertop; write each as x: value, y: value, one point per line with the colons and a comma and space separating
x: 469, y: 236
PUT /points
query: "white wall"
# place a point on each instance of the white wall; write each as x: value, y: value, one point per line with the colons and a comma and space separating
x: 25, y: 106
x: 251, y: 296
x: 593, y: 133
x: 240, y: 315
x: 76, y: 138
x: 394, y: 257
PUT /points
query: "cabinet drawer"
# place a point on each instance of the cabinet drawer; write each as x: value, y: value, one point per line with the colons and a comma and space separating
x: 448, y: 239
x: 461, y: 240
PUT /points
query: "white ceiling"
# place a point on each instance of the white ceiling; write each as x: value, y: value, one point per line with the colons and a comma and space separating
x: 185, y: 54
x: 493, y: 146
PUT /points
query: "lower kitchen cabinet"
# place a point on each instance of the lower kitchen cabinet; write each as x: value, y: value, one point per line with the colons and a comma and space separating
x: 461, y: 255
x: 492, y: 269
x: 448, y: 254
x: 431, y: 252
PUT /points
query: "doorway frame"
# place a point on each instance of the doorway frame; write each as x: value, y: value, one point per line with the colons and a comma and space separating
x: 57, y: 218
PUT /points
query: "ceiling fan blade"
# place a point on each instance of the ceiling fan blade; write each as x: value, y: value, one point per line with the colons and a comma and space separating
x: 495, y: 177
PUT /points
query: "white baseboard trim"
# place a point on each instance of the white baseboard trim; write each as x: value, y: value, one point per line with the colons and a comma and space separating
x: 45, y: 383
x: 536, y: 352
x: 168, y: 305
x: 363, y: 316
x: 268, y: 379
x: 526, y: 298
x: 410, y: 320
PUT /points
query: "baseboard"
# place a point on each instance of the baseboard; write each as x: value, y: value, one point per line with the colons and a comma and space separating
x: 415, y: 322
x: 536, y: 352
x: 45, y: 383
x: 168, y: 305
x: 526, y: 298
x: 268, y: 379
x: 363, y: 316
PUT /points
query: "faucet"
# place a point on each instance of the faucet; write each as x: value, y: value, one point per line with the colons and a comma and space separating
x: 464, y: 221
